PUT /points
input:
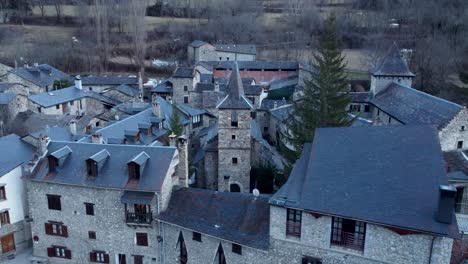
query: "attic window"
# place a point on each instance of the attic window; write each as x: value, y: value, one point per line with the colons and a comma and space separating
x: 92, y: 167
x: 95, y: 162
x: 53, y: 162
x: 137, y: 165
x: 58, y: 157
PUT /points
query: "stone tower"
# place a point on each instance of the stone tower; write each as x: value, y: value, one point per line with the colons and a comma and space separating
x: 393, y: 68
x: 234, y: 140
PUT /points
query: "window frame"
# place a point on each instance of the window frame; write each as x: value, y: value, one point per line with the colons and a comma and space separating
x: 236, y: 248
x: 5, y: 218
x: 310, y: 260
x: 459, y: 144
x: 57, y: 206
x: 186, y: 99
x: 89, y: 208
x: 3, y: 196
x: 138, y: 259
x: 235, y: 161
x: 92, y: 235
x: 197, y: 236
x: 141, y: 239
x: 293, y: 222
x: 338, y: 234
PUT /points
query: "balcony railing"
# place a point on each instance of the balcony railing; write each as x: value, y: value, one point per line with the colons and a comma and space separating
x: 139, y: 218
x: 348, y: 240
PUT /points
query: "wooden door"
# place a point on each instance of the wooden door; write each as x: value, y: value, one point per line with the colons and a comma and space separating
x: 8, y: 243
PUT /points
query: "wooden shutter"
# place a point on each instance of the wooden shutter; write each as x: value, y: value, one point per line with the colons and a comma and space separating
x: 48, y: 228
x: 106, y: 258
x: 50, y: 252
x: 92, y: 256
x: 68, y: 254
x: 64, y: 231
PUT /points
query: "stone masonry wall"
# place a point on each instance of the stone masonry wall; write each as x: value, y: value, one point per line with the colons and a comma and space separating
x: 456, y: 130
x: 178, y: 89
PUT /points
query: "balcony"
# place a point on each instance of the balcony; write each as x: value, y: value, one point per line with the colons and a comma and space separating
x: 348, y: 240
x: 139, y: 218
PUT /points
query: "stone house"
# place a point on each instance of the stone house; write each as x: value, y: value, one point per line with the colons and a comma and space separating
x: 392, y: 101
x: 101, y: 83
x: 201, y: 51
x: 15, y: 234
x: 72, y: 100
x: 38, y: 78
x: 98, y: 203
x: 364, y: 218
x: 182, y: 85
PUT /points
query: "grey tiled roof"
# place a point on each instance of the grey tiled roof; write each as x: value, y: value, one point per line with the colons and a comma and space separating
x: 183, y: 72
x: 235, y: 98
x: 413, y: 107
x: 253, y: 89
x: 113, y: 173
x: 55, y: 133
x: 283, y: 112
x: 6, y: 86
x: 393, y: 64
x: 6, y: 98
x: 163, y: 87
x: 108, y: 80
x: 400, y: 169
x: 68, y: 94
x: 128, y: 90
x: 41, y: 75
x: 14, y: 152
x: 237, y: 48
x: 268, y: 104
x: 457, y: 163
x: 197, y: 43
x: 255, y: 65
x: 236, y: 217
x: 29, y: 122
x: 360, y: 97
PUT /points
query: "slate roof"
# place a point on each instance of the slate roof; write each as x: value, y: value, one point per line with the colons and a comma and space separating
x: 19, y: 152
x: 29, y: 122
x: 113, y: 173
x: 236, y: 217
x: 235, y: 98
x: 108, y: 80
x: 253, y: 89
x: 54, y: 133
x: 41, y: 75
x: 268, y: 104
x: 6, y: 98
x: 393, y: 64
x: 395, y: 183
x: 237, y: 48
x: 282, y: 113
x: 360, y: 97
x: 183, y: 72
x: 254, y: 65
x: 68, y: 94
x: 197, y: 43
x: 128, y: 90
x: 163, y: 87
x: 191, y: 111
x: 413, y: 107
x: 6, y: 86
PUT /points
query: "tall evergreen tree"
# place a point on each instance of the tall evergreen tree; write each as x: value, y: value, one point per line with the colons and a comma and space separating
x: 176, y: 126
x: 326, y: 94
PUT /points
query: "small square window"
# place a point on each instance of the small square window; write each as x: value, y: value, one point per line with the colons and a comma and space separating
x: 367, y: 108
x: 142, y: 239
x: 57, y: 107
x: 460, y: 144
x: 185, y: 99
x: 137, y: 259
x: 233, y: 137
x: 54, y: 202
x: 234, y: 161
x: 89, y: 208
x: 2, y: 193
x: 265, y: 129
x: 92, y: 234
x: 462, y: 128
x: 196, y: 236
x: 72, y: 102
x: 220, y: 58
x: 185, y: 88
x: 236, y: 248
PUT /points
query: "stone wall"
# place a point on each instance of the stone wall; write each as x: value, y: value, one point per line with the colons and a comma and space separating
x: 178, y: 89
x: 195, y: 99
x: 456, y: 130
x: 117, y: 95
x: 210, y: 175
x: 233, y: 56
x: 379, y: 83
x: 31, y: 87
x: 381, y: 244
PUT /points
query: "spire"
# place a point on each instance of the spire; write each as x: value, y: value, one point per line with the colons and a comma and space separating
x: 235, y: 92
x: 393, y: 64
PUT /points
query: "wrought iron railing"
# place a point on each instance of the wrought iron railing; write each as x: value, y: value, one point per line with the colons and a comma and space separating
x: 139, y: 218
x: 349, y: 240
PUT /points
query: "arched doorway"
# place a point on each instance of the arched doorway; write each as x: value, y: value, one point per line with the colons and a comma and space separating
x: 183, y: 258
x: 234, y: 187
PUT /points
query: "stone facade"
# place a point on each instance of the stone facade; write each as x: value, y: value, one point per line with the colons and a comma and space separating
x: 181, y: 89
x: 234, y: 147
x: 31, y: 88
x: 381, y: 244
x: 379, y: 83
x: 456, y: 131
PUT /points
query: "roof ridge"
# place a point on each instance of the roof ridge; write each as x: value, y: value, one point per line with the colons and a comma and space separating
x: 423, y: 93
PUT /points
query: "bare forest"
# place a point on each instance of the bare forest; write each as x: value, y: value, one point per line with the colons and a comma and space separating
x: 121, y: 36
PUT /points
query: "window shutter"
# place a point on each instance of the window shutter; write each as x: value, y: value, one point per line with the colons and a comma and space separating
x: 64, y: 231
x: 92, y: 256
x: 48, y: 228
x: 106, y: 258
x: 50, y: 252
x: 68, y: 254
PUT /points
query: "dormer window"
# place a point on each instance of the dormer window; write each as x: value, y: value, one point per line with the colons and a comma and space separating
x: 53, y: 162
x: 58, y: 157
x: 92, y: 167
x: 136, y: 166
x: 96, y: 162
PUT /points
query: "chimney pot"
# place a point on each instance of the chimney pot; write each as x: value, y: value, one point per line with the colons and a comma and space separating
x: 78, y: 83
x: 446, y: 206
x: 156, y: 108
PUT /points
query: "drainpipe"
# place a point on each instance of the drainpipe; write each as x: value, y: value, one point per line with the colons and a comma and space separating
x: 431, y: 249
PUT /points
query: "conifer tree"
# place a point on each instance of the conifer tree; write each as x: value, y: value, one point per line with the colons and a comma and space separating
x: 176, y: 126
x: 326, y: 94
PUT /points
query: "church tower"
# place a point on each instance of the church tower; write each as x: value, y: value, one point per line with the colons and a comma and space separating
x: 393, y: 68
x: 234, y: 140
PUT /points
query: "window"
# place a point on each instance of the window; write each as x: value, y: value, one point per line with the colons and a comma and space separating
x: 348, y: 233
x: 378, y: 112
x: 92, y: 234
x: 227, y: 58
x: 89, y: 208
x: 137, y: 259
x: 253, y: 115
x: 57, y: 107
x: 234, y: 121
x: 185, y: 99
x: 196, y: 236
x: 460, y: 144
x: 81, y: 105
x: 234, y: 161
x: 389, y: 120
x: 92, y: 167
x: 72, y: 103
x: 39, y: 110
x: 59, y: 252
x: 236, y: 248
x: 56, y: 229
x: 142, y: 239
x: 4, y: 218
x: 265, y: 129
x: 293, y: 223
x: 122, y: 259
x: 355, y: 108
x: 133, y: 171
x: 2, y: 193
x: 98, y: 123
x: 220, y: 58
x: 185, y: 88
x: 99, y: 257
x: 311, y: 260
x: 462, y: 128
x: 54, y: 202
x: 367, y: 108
x: 233, y: 137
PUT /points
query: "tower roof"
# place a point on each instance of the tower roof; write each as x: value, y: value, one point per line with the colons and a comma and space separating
x: 235, y: 98
x: 393, y: 64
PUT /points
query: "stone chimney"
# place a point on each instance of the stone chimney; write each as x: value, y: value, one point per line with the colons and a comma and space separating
x: 216, y: 86
x: 43, y: 142
x: 97, y: 139
x: 72, y: 127
x: 36, y: 64
x: 446, y: 206
x: 156, y: 108
x: 275, y: 104
x: 172, y: 140
x: 140, y: 86
x: 182, y: 168
x: 78, y: 83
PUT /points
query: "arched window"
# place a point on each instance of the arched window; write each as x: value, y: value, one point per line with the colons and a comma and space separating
x: 220, y: 258
x: 234, y: 187
x: 182, y: 249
